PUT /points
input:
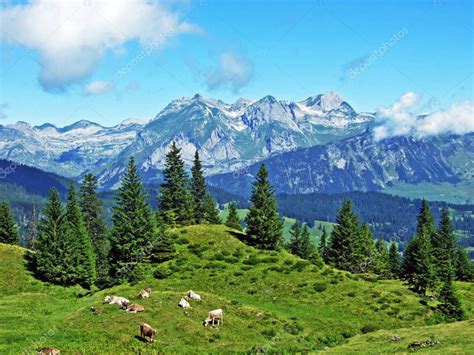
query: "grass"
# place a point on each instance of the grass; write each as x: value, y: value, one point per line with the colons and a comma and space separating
x: 272, y: 301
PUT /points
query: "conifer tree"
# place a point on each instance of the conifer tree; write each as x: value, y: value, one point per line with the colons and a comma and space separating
x: 294, y: 245
x: 132, y: 236
x: 450, y: 305
x: 264, y: 225
x: 31, y: 230
x: 8, y: 228
x: 417, y: 266
x: 381, y: 261
x: 463, y: 267
x: 79, y: 257
x: 445, y: 247
x: 363, y: 250
x: 211, y: 212
x: 164, y: 248
x: 323, y: 245
x: 175, y: 202
x: 233, y: 220
x: 307, y: 249
x: 198, y: 189
x: 394, y: 260
x: 91, y: 208
x: 344, y: 238
x: 50, y: 246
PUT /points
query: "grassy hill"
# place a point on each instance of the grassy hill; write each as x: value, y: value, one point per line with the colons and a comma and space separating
x: 273, y: 301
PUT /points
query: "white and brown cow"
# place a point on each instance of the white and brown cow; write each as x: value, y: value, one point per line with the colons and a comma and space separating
x: 213, y: 316
x: 49, y: 351
x: 147, y: 330
x: 184, y: 304
x: 193, y: 295
x: 145, y: 293
x: 132, y: 307
x: 115, y: 300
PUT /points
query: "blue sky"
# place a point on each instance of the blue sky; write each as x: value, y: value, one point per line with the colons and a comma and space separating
x: 371, y: 52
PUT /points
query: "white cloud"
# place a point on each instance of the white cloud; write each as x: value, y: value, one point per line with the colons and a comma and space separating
x: 72, y: 36
x: 233, y: 71
x: 399, y: 120
x: 98, y: 87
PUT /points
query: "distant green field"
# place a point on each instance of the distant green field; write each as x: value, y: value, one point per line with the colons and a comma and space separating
x: 273, y: 302
x: 315, y: 232
x: 462, y: 193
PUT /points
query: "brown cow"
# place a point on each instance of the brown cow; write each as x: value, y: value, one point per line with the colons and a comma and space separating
x: 49, y: 351
x: 132, y: 307
x: 145, y: 293
x: 146, y: 330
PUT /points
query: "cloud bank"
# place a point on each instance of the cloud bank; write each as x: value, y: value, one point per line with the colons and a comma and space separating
x: 72, y: 37
x: 233, y: 71
x: 399, y: 120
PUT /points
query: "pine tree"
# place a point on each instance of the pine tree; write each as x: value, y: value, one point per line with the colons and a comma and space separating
x: 211, y: 212
x: 233, y: 220
x: 307, y: 249
x: 175, y: 202
x: 164, y: 248
x: 323, y: 245
x: 49, y: 247
x: 344, y: 239
x: 450, y: 305
x: 264, y: 225
x: 8, y: 228
x: 463, y: 267
x: 132, y: 236
x: 91, y: 208
x: 394, y: 260
x: 445, y: 247
x: 294, y: 245
x: 381, y: 259
x: 79, y: 257
x: 31, y: 230
x: 417, y: 266
x: 363, y: 250
x: 198, y: 189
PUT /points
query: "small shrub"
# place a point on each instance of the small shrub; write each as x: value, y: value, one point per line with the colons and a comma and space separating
x: 351, y: 294
x: 183, y: 231
x: 347, y: 334
x: 320, y: 287
x: 288, y: 262
x: 270, y: 259
x: 246, y: 267
x: 161, y: 273
x: 231, y: 259
x: 253, y: 279
x: 181, y: 240
x: 293, y: 328
x: 269, y: 333
x: 300, y: 265
x: 334, y: 281
x: 368, y: 328
x: 238, y: 273
x: 252, y: 260
x: 252, y: 291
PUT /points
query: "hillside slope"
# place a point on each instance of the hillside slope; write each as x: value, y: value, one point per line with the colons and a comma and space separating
x: 272, y: 301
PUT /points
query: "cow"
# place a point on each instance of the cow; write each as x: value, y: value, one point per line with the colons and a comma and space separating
x: 115, y: 300
x: 132, y: 307
x: 49, y: 351
x: 193, y: 295
x: 184, y: 304
x: 145, y: 293
x: 214, y: 315
x: 146, y: 330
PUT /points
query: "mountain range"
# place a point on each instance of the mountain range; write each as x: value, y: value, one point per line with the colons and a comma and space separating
x: 320, y: 144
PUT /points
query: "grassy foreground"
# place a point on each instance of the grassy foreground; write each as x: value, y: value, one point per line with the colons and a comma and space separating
x: 272, y: 301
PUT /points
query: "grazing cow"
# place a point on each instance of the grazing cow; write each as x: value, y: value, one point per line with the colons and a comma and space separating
x: 193, y: 295
x: 214, y: 315
x: 49, y: 351
x: 145, y: 293
x: 184, y: 304
x: 147, y: 331
x: 115, y: 300
x: 132, y: 307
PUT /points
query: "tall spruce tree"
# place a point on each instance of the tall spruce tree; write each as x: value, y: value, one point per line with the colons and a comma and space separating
x: 450, y: 305
x: 211, y: 212
x: 91, y: 208
x: 294, y: 245
x: 344, y: 239
x: 323, y: 245
x: 198, y: 190
x: 381, y: 264
x: 394, y: 260
x: 176, y: 204
x: 417, y: 266
x: 50, y: 245
x: 233, y: 220
x: 8, y: 228
x: 464, y: 270
x: 79, y: 257
x: 364, y: 250
x: 164, y: 248
x: 132, y: 236
x: 264, y: 225
x: 31, y: 230
x: 445, y: 247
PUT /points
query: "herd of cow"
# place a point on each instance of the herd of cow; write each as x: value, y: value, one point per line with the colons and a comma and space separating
x: 146, y: 330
